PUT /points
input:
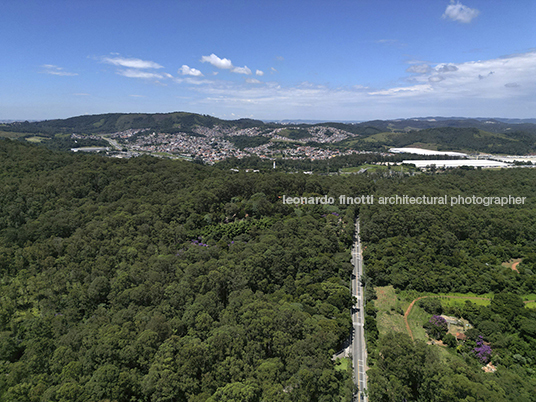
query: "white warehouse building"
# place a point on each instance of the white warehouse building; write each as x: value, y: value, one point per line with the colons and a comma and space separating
x: 441, y: 163
x: 421, y: 151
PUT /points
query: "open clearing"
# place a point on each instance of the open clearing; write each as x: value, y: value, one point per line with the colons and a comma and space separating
x: 343, y: 364
x: 512, y: 264
x: 36, y: 139
x: 390, y: 310
x: 9, y: 134
x: 370, y: 168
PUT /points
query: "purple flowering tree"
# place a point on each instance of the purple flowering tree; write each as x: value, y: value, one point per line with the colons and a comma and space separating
x: 482, y: 351
x: 436, y: 327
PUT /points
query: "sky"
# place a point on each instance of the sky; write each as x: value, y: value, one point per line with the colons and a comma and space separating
x: 348, y: 60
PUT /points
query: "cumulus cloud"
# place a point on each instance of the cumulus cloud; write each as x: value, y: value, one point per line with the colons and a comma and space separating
x: 480, y: 79
x: 241, y: 70
x: 55, y: 70
x: 447, y: 89
x: 225, y: 64
x: 185, y: 70
x: 458, y: 12
x: 419, y: 69
x: 131, y: 63
x: 259, y: 73
x: 436, y: 78
x: 445, y: 68
x: 438, y: 89
x: 217, y: 62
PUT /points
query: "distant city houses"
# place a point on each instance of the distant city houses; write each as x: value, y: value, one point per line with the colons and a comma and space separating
x: 216, y: 144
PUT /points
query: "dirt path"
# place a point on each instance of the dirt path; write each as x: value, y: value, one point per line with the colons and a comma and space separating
x: 514, y: 266
x: 407, y: 313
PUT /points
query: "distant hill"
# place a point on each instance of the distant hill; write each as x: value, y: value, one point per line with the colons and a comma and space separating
x: 490, y: 125
x: 114, y: 122
x: 511, y: 136
x: 463, y: 139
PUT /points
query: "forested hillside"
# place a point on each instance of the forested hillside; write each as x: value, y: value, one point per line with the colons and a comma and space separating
x: 151, y: 280
x: 467, y: 139
x: 158, y: 280
x: 442, y: 249
x: 113, y: 122
x: 459, y: 248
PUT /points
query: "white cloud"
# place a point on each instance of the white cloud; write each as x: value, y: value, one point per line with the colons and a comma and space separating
x: 445, y: 89
x: 137, y: 96
x: 196, y: 81
x: 415, y: 89
x: 478, y: 79
x: 259, y: 72
x: 241, y: 70
x: 55, y: 70
x: 185, y: 70
x: 131, y: 73
x: 459, y: 12
x: 419, y: 69
x: 273, y: 70
x: 225, y: 64
x: 217, y: 62
x: 253, y: 81
x: 131, y: 63
x: 436, y: 78
x: 445, y: 68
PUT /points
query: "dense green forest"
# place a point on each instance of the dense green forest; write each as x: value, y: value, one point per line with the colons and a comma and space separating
x: 430, y: 249
x: 114, y: 122
x: 460, y: 248
x: 332, y: 165
x: 158, y: 280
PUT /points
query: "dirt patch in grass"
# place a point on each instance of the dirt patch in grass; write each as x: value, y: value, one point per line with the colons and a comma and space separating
x: 512, y: 264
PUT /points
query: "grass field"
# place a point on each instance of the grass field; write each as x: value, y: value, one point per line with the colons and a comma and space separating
x: 36, y: 139
x: 9, y: 134
x: 370, y: 168
x: 380, y: 137
x: 467, y: 295
x: 416, y: 319
x: 389, y: 309
x: 461, y: 302
x: 343, y: 364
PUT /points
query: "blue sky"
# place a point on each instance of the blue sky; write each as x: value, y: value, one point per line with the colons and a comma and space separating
x: 322, y: 60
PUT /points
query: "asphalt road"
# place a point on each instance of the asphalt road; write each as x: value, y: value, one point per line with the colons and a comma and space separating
x: 358, y: 348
